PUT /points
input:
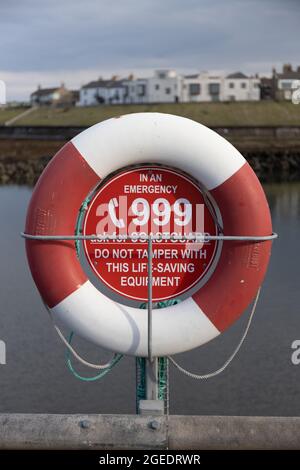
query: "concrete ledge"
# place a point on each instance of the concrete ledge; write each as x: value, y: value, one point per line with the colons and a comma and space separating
x: 234, y: 432
x: 49, y: 431
x: 42, y: 431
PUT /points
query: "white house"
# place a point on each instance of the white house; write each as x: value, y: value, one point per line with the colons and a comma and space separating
x: 136, y: 90
x: 48, y: 96
x: 59, y: 96
x: 287, y: 81
x: 102, y: 92
x: 164, y: 87
x: 239, y: 87
x: 202, y: 87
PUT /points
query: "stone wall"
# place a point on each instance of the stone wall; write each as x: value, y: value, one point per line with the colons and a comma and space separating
x: 273, y: 152
x: 269, y: 166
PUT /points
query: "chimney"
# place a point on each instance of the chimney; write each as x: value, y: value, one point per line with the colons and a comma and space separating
x: 114, y: 78
x: 287, y: 68
x: 130, y: 76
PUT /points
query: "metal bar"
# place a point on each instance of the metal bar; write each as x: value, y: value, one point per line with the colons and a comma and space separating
x: 108, y: 432
x: 151, y: 363
x: 152, y: 379
x: 200, y: 237
x: 150, y: 256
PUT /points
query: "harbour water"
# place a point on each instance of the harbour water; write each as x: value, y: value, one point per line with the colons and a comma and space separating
x: 261, y: 381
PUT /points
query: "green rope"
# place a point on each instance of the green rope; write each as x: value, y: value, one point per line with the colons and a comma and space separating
x: 162, y: 377
x: 96, y: 377
x: 166, y: 303
x: 78, y: 229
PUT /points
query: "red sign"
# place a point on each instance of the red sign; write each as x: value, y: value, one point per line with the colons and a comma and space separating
x: 153, y: 200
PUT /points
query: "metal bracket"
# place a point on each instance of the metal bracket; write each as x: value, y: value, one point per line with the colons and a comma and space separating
x: 152, y: 405
x: 200, y: 237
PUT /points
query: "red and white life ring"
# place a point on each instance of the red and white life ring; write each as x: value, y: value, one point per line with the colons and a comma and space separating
x: 134, y: 139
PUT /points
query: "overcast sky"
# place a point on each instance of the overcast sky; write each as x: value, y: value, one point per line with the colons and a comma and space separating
x: 50, y: 41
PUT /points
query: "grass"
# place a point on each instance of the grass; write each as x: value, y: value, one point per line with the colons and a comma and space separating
x: 8, y: 113
x: 261, y: 113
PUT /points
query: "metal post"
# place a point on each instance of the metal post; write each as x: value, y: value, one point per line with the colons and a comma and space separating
x: 150, y: 256
x: 151, y: 364
x: 152, y: 405
x: 151, y: 380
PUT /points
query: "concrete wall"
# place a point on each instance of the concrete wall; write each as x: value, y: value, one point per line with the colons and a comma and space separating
x: 41, y: 431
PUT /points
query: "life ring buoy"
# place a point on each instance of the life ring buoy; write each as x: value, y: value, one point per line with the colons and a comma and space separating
x: 105, y: 148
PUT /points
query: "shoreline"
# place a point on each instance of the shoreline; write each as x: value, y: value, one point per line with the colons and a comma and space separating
x: 269, y: 166
x: 273, y: 152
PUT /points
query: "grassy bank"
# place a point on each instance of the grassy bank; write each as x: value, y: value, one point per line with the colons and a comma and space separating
x: 9, y: 113
x: 262, y: 113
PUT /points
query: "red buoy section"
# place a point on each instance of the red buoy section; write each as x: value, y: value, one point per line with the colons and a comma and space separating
x: 245, y: 211
x: 53, y: 210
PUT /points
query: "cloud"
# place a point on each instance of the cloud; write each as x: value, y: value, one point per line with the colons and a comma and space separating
x: 53, y: 39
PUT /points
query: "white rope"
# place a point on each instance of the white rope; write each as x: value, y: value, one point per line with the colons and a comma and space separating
x: 76, y: 355
x: 180, y: 368
x: 229, y: 360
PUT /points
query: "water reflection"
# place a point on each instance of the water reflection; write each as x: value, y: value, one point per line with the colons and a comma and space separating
x: 284, y: 200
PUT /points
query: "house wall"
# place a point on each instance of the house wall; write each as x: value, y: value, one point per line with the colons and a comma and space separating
x: 43, y: 99
x: 244, y: 89
x: 136, y: 91
x: 164, y: 87
x: 53, y: 98
x: 210, y: 87
x: 285, y: 87
x: 112, y: 95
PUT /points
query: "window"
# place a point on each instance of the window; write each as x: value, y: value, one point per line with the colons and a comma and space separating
x: 243, y: 85
x: 157, y: 86
x: 231, y: 98
x: 162, y: 75
x: 141, y: 89
x: 194, y: 89
x: 168, y: 91
x: 286, y: 85
x: 214, y: 88
x: 231, y: 85
x: 256, y: 85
